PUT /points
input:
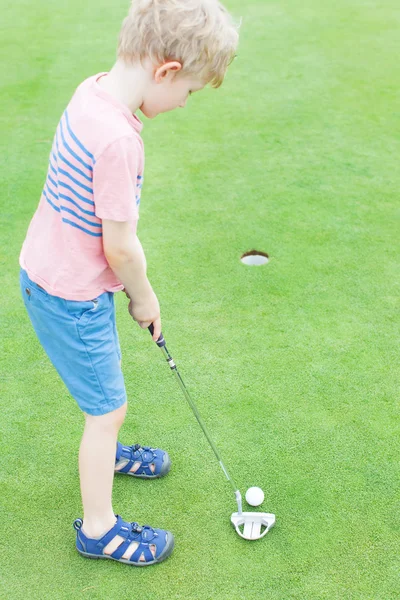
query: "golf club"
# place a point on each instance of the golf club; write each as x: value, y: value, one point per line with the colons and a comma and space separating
x: 252, y: 521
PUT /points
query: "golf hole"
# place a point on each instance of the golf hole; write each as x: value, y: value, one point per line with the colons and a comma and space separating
x: 254, y: 258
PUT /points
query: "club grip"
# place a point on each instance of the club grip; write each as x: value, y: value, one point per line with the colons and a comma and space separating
x: 160, y: 342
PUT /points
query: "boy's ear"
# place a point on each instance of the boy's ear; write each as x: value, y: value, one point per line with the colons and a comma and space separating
x: 162, y: 73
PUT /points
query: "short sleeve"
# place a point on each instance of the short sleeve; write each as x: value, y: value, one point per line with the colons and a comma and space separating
x: 116, y: 181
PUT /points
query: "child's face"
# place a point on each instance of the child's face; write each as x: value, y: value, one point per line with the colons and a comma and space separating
x: 167, y: 92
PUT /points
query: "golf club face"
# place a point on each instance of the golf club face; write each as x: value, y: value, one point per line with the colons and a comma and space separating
x: 253, y: 524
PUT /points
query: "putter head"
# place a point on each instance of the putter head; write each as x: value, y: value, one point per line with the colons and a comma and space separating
x: 252, y: 522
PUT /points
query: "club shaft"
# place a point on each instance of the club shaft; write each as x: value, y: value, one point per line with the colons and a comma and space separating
x: 200, y: 420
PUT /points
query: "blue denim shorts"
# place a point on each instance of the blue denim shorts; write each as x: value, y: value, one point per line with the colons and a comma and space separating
x: 81, y: 340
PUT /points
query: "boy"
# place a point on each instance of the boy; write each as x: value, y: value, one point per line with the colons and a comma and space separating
x: 81, y: 246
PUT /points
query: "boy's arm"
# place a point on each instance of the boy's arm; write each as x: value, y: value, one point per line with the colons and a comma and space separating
x: 124, y: 254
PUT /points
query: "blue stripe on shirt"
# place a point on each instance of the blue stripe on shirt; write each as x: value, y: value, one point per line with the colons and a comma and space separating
x: 72, y: 212
x: 71, y: 222
x: 64, y: 197
x: 84, y: 187
x: 50, y: 202
x: 53, y: 169
x: 71, y: 133
x: 50, y: 191
x: 71, y: 166
x: 87, y: 212
x: 52, y: 181
x: 82, y: 228
x: 62, y: 184
x: 74, y: 154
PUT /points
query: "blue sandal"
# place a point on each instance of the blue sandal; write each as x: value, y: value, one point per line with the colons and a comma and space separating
x: 146, y: 456
x: 145, y: 536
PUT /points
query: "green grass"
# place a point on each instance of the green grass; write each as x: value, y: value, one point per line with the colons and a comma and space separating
x: 293, y: 366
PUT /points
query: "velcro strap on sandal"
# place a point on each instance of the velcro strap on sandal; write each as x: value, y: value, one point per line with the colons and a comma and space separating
x: 102, y: 543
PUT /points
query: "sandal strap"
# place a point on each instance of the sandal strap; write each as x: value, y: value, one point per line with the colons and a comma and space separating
x: 131, y: 532
x: 142, y: 549
x: 102, y: 543
x: 137, y: 453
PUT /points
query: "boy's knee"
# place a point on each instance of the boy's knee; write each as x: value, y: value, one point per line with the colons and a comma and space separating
x: 115, y: 418
x: 120, y: 412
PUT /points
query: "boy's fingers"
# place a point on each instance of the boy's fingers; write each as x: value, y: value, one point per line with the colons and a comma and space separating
x: 157, y: 329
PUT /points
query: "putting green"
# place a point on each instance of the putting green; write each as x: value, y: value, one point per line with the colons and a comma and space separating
x: 293, y: 365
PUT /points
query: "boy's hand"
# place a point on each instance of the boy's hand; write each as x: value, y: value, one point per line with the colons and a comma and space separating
x: 146, y: 313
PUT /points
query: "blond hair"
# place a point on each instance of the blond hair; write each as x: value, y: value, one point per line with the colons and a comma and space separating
x: 200, y: 34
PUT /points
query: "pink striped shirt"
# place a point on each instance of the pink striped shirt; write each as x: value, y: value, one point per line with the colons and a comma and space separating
x: 95, y: 172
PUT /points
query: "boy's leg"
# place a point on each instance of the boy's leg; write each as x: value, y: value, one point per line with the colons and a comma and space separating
x: 81, y: 341
x: 96, y: 469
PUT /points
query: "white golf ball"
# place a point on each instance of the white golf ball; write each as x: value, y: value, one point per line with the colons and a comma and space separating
x: 255, y: 496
